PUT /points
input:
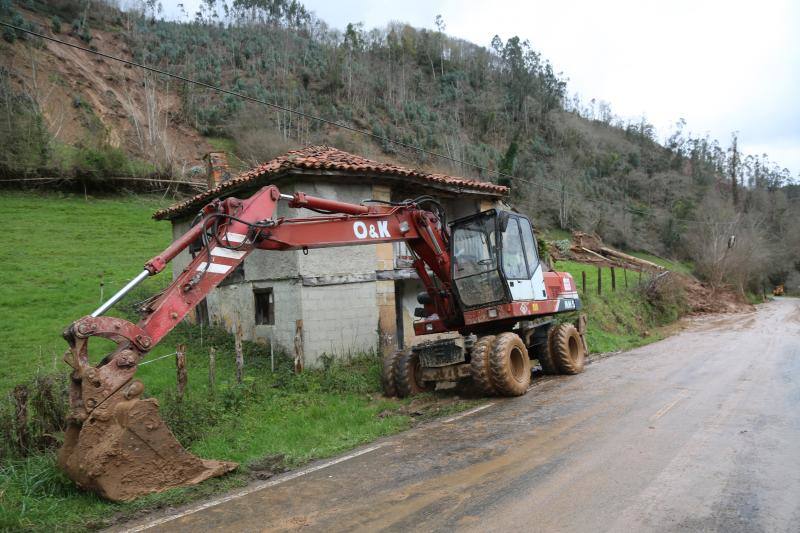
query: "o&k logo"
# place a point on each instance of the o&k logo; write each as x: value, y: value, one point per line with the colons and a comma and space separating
x: 380, y: 230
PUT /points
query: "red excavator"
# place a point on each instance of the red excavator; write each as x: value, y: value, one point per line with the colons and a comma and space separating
x: 485, y: 290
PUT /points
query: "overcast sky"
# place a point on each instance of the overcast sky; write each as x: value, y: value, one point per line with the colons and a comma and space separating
x: 723, y: 66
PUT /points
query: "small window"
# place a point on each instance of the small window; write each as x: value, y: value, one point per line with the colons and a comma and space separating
x: 265, y: 306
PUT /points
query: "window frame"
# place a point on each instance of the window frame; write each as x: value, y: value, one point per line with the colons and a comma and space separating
x: 494, y: 249
x: 522, y: 244
x: 259, y: 314
x: 534, y: 253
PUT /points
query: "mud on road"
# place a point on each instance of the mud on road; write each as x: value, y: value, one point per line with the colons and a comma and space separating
x: 696, y: 432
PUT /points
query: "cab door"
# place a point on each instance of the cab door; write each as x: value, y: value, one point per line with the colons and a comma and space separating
x: 520, y: 261
x: 532, y: 253
x: 515, y: 262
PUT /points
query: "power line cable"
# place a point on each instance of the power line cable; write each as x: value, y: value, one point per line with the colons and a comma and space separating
x: 339, y: 125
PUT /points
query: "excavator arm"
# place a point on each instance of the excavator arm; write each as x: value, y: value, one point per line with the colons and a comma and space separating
x: 116, y: 444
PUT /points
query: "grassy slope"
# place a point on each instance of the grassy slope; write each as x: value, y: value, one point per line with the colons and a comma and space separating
x: 617, y: 320
x: 56, y: 250
x: 278, y: 419
x: 675, y: 266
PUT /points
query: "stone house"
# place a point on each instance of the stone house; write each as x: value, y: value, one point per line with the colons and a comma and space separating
x: 349, y: 299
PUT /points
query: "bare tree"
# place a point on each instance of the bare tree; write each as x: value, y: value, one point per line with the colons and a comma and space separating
x: 151, y: 124
x: 728, y: 248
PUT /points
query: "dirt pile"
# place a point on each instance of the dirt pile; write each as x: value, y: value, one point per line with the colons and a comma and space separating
x: 703, y: 299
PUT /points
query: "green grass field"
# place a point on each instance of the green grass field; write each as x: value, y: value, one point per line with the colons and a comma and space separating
x: 60, y: 249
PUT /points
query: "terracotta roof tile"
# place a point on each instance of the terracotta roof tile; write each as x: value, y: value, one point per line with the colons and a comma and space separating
x: 322, y: 157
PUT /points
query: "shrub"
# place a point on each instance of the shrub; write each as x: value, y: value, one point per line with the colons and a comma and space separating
x: 103, y: 161
x: 85, y: 35
x: 666, y: 296
x: 23, y: 133
x: 46, y: 405
x: 55, y: 24
x: 9, y: 35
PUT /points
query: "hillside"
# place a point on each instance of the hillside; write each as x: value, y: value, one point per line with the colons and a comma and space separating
x: 503, y: 109
x: 89, y: 103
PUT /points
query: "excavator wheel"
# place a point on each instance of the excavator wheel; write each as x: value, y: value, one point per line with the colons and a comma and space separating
x: 567, y: 349
x: 408, y: 375
x: 509, y: 365
x: 479, y: 365
x: 388, y: 381
x: 545, y: 355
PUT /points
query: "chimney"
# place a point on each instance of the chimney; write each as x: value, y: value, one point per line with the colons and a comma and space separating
x: 216, y: 168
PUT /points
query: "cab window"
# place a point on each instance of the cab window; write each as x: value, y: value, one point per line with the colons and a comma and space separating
x: 515, y: 264
x: 475, y: 271
x: 530, y: 244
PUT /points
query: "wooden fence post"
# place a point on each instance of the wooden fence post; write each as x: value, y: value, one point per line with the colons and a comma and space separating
x: 212, y: 362
x: 272, y: 353
x: 239, y: 354
x: 613, y: 279
x: 299, y: 355
x: 599, y: 280
x: 625, y: 275
x: 21, y: 420
x: 180, y: 364
x: 583, y: 281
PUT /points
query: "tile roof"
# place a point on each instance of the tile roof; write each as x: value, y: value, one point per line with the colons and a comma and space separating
x: 324, y: 158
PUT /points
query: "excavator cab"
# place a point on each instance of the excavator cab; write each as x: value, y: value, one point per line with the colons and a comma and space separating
x: 495, y: 259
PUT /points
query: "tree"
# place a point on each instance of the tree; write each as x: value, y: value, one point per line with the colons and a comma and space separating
x: 734, y: 167
x: 441, y: 26
x: 507, y: 164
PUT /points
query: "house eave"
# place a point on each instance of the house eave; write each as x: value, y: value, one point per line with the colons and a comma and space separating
x: 447, y: 189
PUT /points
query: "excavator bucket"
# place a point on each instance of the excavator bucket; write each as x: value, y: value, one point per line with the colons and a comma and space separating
x: 116, y: 443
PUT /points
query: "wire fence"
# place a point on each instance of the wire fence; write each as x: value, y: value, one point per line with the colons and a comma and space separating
x: 157, y: 359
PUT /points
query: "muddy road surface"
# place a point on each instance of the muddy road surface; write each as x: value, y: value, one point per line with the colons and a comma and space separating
x: 700, y: 431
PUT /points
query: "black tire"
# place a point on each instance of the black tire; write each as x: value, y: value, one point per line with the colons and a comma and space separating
x: 567, y: 349
x: 545, y: 355
x: 387, y: 374
x: 509, y: 365
x: 408, y: 375
x: 479, y: 365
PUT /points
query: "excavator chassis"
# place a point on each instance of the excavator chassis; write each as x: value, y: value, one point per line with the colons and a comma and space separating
x: 116, y: 443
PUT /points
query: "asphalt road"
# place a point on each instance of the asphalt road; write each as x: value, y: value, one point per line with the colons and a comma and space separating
x: 699, y: 432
